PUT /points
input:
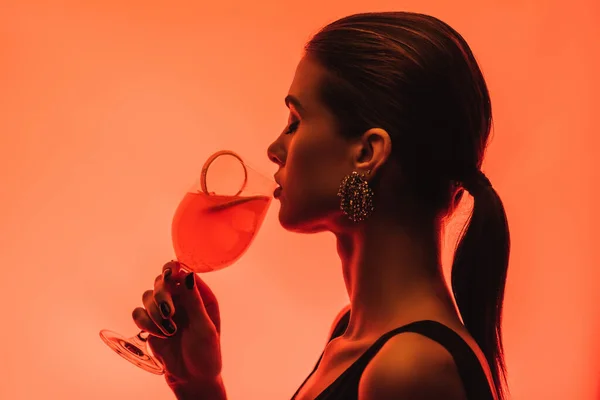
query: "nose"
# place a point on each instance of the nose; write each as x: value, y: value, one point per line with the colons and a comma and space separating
x: 275, y: 154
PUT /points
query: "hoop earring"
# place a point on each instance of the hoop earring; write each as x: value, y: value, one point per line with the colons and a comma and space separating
x: 357, y: 197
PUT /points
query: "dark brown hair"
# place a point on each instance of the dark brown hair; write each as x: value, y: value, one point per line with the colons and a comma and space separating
x: 416, y: 77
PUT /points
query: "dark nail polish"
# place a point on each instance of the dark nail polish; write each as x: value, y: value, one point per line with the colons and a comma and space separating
x: 189, y: 281
x: 168, y: 326
x: 167, y: 274
x: 165, y: 310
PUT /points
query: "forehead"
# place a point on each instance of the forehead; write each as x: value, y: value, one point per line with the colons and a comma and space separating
x: 306, y: 81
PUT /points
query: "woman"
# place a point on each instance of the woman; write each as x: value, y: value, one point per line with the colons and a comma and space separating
x: 389, y: 121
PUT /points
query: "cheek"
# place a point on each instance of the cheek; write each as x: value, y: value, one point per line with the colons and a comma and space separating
x: 313, y: 177
x: 311, y: 164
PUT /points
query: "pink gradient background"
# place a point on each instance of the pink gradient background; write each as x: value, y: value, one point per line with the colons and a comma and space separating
x: 109, y: 108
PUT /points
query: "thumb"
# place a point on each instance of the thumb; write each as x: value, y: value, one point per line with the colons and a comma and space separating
x: 192, y: 301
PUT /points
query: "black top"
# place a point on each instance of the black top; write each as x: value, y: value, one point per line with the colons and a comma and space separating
x: 470, y: 370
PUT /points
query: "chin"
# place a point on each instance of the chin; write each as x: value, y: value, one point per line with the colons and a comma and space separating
x: 302, y: 222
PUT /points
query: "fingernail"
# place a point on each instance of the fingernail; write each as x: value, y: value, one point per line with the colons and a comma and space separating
x: 189, y: 281
x: 168, y: 326
x: 167, y: 274
x: 165, y: 310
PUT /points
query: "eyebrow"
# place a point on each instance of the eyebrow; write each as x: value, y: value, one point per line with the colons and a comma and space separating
x: 289, y: 99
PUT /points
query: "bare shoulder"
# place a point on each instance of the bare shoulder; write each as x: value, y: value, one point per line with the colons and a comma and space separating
x: 411, y: 366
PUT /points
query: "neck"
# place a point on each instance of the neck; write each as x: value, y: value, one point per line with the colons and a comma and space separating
x: 393, y: 276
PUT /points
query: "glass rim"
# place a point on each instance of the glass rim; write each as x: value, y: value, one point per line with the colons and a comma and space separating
x: 271, y: 181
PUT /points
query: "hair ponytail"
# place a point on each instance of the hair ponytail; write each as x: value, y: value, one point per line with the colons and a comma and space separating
x: 479, y: 274
x: 416, y: 77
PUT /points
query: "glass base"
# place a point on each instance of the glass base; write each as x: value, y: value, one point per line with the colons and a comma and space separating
x: 133, y: 350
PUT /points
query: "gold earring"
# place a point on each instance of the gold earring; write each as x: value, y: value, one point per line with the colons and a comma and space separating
x: 357, y: 197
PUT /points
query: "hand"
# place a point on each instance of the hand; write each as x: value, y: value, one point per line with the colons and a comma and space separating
x: 182, y: 317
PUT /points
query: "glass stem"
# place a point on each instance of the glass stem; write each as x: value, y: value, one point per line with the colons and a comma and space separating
x: 140, y: 339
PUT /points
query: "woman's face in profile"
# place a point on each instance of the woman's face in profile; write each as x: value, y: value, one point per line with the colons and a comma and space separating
x: 312, y: 157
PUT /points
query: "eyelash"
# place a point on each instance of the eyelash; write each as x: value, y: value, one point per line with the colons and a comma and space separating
x: 292, y: 128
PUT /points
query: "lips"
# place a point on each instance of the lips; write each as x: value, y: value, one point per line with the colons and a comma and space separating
x: 276, y: 178
x: 277, y: 192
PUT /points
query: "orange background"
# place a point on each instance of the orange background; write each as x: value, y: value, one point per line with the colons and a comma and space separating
x: 109, y: 108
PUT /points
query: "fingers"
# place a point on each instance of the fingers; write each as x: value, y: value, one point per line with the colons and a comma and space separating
x: 166, y: 286
x: 163, y: 285
x: 157, y: 317
x: 145, y: 323
x: 166, y: 325
x: 174, y: 266
x: 178, y: 295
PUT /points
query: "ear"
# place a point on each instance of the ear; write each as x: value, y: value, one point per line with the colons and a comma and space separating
x: 372, y: 150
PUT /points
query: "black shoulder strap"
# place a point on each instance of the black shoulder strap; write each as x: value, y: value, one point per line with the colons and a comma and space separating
x: 469, y: 368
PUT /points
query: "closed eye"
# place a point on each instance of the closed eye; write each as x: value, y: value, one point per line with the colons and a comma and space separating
x: 292, y: 128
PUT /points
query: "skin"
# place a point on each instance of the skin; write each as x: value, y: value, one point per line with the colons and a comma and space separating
x: 390, y: 263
